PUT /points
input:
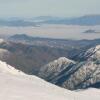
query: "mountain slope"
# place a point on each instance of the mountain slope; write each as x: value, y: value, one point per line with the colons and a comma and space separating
x: 5, y: 68
x: 79, y: 75
x: 88, y: 74
x: 51, y: 70
x: 27, y: 87
x: 28, y: 58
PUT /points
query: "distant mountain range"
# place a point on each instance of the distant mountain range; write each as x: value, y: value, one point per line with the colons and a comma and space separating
x: 84, y: 20
x: 56, y: 43
x: 16, y: 23
x: 37, y: 21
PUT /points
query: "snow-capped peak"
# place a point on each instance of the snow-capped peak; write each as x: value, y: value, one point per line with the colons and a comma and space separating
x: 63, y: 60
x: 5, y: 68
x: 59, y: 64
x: 93, y: 52
x: 55, y: 67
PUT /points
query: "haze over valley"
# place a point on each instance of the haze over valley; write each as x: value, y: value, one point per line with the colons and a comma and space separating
x: 53, y: 31
x: 52, y: 27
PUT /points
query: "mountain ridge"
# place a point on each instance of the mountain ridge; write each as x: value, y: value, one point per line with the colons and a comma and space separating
x: 89, y: 20
x: 80, y: 75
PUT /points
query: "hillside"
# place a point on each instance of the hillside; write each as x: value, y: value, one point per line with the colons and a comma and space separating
x: 29, y: 54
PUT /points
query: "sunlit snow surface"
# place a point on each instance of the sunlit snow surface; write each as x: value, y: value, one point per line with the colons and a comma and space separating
x: 15, y: 85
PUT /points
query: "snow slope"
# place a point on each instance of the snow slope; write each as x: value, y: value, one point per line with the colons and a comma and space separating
x: 5, y: 68
x: 15, y: 85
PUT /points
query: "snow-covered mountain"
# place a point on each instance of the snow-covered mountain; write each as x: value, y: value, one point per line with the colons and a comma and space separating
x: 77, y: 75
x: 15, y: 85
x: 93, y: 53
x: 52, y: 70
x: 88, y: 73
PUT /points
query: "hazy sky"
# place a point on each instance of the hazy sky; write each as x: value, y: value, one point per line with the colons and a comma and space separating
x: 66, y: 8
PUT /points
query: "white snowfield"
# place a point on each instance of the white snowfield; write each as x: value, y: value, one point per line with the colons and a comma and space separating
x: 5, y: 68
x: 15, y: 85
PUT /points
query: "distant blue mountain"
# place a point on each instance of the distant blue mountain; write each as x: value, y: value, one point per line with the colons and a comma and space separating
x: 17, y: 23
x: 35, y: 21
x: 84, y: 20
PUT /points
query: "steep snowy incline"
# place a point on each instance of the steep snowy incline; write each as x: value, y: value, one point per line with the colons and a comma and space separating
x: 5, y: 68
x: 14, y: 86
x: 33, y: 88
